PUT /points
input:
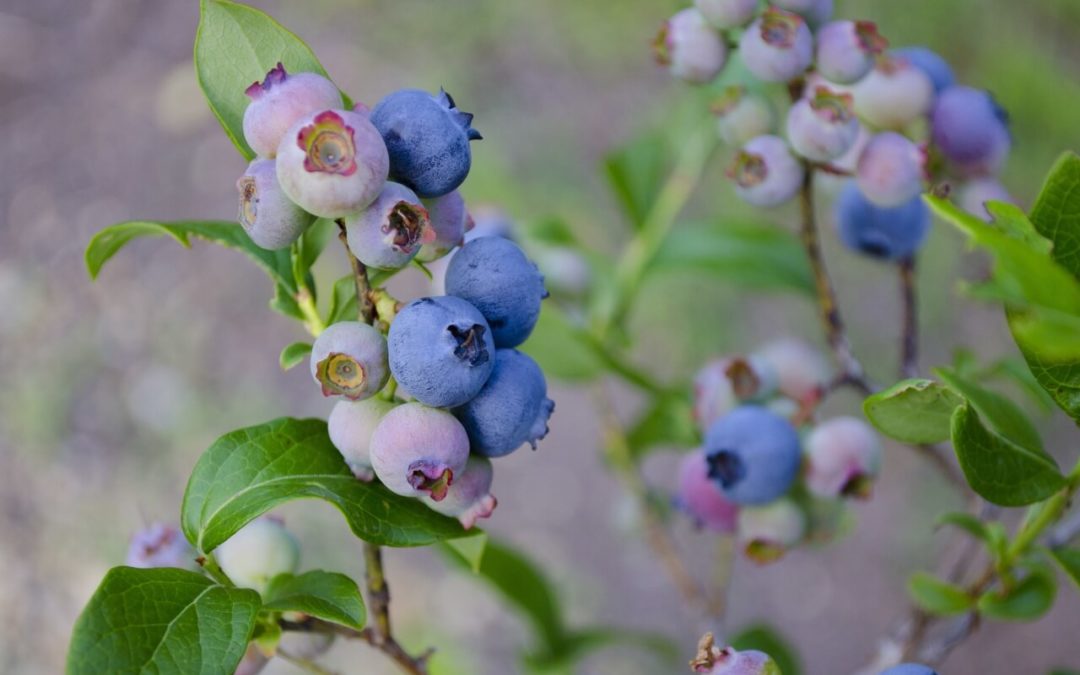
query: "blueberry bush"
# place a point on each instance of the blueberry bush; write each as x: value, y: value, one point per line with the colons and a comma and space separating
x: 430, y: 393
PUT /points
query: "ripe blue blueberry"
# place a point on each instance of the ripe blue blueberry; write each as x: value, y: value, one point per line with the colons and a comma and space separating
x: 822, y: 126
x: 332, y: 163
x: 753, y: 455
x: 258, y: 552
x: 892, y: 233
x: 971, y: 130
x: 765, y: 172
x: 351, y: 424
x: 441, y: 350
x: 742, y: 115
x: 893, y: 94
x: 690, y: 48
x: 160, y: 545
x: 767, y: 532
x: 418, y: 451
x: 936, y: 68
x: 449, y: 221
x: 724, y: 14
x: 269, y: 217
x: 975, y: 193
x: 846, y: 50
x: 387, y: 234
x: 512, y: 409
x: 349, y: 359
x: 890, y: 170
x: 909, y: 669
x: 700, y: 498
x: 469, y: 498
x: 777, y: 47
x: 843, y: 457
x: 427, y: 138
x: 279, y: 101
x: 494, y: 275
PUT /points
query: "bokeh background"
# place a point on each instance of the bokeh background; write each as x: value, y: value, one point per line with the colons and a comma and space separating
x: 111, y: 390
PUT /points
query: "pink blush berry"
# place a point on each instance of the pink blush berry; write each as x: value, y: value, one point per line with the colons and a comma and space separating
x: 418, y: 451
x: 843, y: 456
x: 469, y: 498
x: 699, y: 497
x: 279, y: 101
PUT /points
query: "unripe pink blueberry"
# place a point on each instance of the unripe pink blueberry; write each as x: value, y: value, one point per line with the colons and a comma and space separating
x: 767, y: 532
x: 269, y: 217
x: 891, y: 170
x: 975, y: 193
x: 822, y: 126
x: 469, y: 498
x: 700, y: 498
x: 690, y: 48
x: 448, y: 221
x: 351, y: 424
x: 160, y: 545
x: 742, y: 115
x: 724, y: 14
x: 843, y: 457
x: 971, y: 130
x: 777, y: 47
x: 728, y: 661
x: 279, y: 101
x: 801, y: 369
x: 418, y: 451
x: 349, y: 359
x: 723, y: 383
x: 765, y: 172
x: 388, y: 233
x: 893, y: 94
x: 258, y: 552
x: 333, y: 163
x: 846, y: 50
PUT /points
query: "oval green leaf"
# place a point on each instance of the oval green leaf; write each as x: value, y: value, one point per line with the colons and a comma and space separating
x: 914, y: 411
x: 937, y: 596
x: 1003, y: 415
x: 292, y: 355
x: 329, y: 596
x: 1026, y: 601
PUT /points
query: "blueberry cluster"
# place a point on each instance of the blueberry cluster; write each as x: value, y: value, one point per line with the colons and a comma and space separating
x: 768, y: 471
x: 893, y: 120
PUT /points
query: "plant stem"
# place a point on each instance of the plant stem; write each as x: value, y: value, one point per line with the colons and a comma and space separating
x: 412, y: 665
x: 312, y: 321
x: 364, y: 304
x: 378, y: 591
x: 909, y: 342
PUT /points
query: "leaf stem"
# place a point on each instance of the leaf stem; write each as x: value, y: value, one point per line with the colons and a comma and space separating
x: 909, y: 341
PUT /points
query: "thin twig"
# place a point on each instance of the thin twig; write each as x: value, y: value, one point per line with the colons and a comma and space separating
x: 909, y: 342
x: 413, y: 665
x: 364, y: 304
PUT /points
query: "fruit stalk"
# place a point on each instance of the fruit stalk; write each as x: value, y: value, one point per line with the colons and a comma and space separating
x: 364, y: 304
x: 909, y: 342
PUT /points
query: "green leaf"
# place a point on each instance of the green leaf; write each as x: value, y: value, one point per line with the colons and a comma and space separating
x: 1069, y: 560
x: 343, y: 301
x: 236, y: 45
x: 314, y: 241
x: 1005, y: 416
x: 292, y: 355
x: 966, y: 522
x: 249, y: 471
x: 325, y: 595
x: 1056, y: 214
x: 913, y: 411
x: 999, y: 470
x: 469, y: 549
x: 636, y: 172
x: 551, y: 230
x: 766, y: 639
x: 561, y: 349
x: 1026, y: 601
x: 937, y: 596
x: 162, y: 620
x: 667, y: 422
x: 753, y: 255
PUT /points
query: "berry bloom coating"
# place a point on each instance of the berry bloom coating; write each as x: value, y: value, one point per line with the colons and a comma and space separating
x: 427, y: 138
x: 888, y: 233
x: 332, y: 163
x: 722, y: 383
x: 893, y: 94
x: 494, y: 275
x: 777, y: 47
x: 823, y: 126
x: 936, y: 68
x: 449, y: 221
x: 279, y: 101
x: 258, y: 552
x: 690, y: 48
x: 742, y: 115
x: 843, y: 456
x: 801, y: 369
x: 387, y: 234
x: 909, y: 669
x: 269, y: 217
x: 890, y: 170
x: 765, y: 172
x: 418, y: 451
x: 971, y: 130
x: 975, y: 193
x: 767, y: 532
x: 441, y: 350
x: 160, y: 545
x: 349, y: 359
x: 846, y: 50
x: 699, y: 497
x: 512, y: 409
x: 727, y: 13
x: 470, y: 498
x: 351, y: 424
x: 753, y: 454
